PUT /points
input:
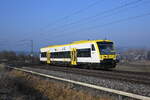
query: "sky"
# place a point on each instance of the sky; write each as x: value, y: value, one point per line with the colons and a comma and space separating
x: 53, y: 22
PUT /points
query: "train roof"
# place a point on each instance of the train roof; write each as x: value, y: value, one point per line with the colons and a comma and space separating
x: 77, y: 42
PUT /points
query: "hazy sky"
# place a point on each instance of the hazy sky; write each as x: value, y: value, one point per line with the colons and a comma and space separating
x: 50, y: 22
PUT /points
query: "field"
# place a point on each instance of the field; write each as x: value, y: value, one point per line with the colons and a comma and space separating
x: 134, y: 66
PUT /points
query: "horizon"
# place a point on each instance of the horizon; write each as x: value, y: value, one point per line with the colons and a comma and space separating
x: 60, y: 22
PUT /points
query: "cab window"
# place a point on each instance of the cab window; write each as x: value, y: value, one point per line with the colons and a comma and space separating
x: 106, y: 48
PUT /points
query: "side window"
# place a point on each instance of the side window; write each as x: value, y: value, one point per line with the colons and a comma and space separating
x: 84, y: 52
x: 64, y: 54
x: 43, y: 54
x: 93, y: 47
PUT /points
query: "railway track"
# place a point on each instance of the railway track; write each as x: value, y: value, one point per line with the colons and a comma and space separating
x: 134, y: 77
x: 81, y: 83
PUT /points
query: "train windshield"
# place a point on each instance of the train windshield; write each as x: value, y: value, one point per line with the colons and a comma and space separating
x: 106, y: 48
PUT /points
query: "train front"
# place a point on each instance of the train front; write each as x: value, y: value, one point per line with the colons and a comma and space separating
x: 108, y: 57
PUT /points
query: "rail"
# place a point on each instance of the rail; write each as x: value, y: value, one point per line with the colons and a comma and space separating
x: 118, y: 92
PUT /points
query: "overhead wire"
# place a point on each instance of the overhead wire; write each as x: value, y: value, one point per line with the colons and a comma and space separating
x: 108, y: 24
x: 120, y: 20
x: 96, y: 19
x: 110, y: 15
x: 90, y: 5
x: 104, y: 12
x: 74, y: 13
x: 99, y: 14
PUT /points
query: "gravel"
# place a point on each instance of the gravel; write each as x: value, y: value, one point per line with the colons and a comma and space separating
x: 130, y: 87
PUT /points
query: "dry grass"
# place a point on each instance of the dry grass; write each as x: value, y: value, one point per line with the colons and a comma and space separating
x: 53, y: 90
x: 16, y: 85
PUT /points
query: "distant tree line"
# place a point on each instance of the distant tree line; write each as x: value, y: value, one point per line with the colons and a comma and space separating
x: 148, y: 55
x: 11, y: 56
x: 134, y: 55
x: 124, y: 56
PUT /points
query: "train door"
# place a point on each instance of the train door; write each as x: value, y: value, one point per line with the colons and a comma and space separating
x: 48, y: 57
x: 74, y: 56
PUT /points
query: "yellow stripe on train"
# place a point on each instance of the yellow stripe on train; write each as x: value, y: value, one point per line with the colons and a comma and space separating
x: 102, y: 57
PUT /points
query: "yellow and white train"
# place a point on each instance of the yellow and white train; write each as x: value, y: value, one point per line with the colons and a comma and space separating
x: 96, y: 53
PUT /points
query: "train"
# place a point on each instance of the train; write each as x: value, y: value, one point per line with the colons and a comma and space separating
x: 93, y: 53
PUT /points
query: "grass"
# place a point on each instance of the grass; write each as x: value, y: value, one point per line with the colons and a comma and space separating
x: 23, y: 86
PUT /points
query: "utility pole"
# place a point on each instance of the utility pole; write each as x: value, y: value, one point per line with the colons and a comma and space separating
x: 31, y: 50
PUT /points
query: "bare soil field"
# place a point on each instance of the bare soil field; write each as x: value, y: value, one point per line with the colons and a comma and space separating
x: 135, y: 67
x: 15, y: 85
